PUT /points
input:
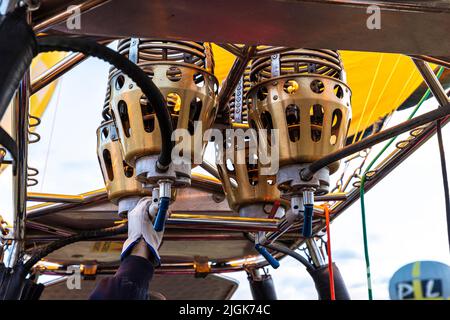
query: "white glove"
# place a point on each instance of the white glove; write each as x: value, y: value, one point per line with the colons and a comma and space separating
x: 140, y: 226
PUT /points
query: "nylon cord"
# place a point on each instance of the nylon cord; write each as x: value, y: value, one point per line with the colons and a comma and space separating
x: 367, y: 98
x: 361, y: 191
x: 377, y: 103
x: 47, y: 154
x: 444, y: 176
x: 330, y: 260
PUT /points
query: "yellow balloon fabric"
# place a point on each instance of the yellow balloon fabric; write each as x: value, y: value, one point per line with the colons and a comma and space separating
x: 380, y: 82
x: 40, y: 100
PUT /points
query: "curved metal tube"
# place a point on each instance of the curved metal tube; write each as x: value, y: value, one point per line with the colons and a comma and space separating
x: 431, y: 116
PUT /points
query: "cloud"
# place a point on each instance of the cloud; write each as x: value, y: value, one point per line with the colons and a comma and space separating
x: 345, y: 254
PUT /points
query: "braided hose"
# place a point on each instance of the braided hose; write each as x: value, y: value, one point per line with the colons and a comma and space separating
x: 92, y: 48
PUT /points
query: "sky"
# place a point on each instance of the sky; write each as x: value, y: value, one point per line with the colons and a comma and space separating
x: 405, y: 211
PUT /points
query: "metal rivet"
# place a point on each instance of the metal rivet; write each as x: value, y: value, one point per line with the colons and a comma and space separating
x: 218, y: 197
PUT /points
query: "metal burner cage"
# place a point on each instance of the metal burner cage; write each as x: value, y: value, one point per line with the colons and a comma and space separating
x: 182, y: 72
x: 244, y: 184
x: 119, y: 177
x: 301, y: 94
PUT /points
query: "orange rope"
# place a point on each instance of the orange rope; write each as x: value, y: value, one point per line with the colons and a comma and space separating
x: 330, y: 261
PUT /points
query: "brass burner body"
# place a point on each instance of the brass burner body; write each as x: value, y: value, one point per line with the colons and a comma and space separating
x: 183, y: 73
x: 120, y: 179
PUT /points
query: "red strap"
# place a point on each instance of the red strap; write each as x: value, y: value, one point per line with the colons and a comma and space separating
x: 274, y: 210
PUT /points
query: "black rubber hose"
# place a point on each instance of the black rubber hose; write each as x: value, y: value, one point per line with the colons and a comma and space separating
x: 84, y: 235
x: 320, y: 275
x: 13, y: 280
x: 291, y: 253
x: 408, y: 125
x: 444, y: 177
x: 17, y: 50
x: 321, y: 278
x: 263, y: 288
x: 154, y: 96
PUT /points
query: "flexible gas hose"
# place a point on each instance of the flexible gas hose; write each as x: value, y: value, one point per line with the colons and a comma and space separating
x: 94, y: 49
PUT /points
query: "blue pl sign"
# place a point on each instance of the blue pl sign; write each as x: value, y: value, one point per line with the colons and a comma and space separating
x: 421, y: 280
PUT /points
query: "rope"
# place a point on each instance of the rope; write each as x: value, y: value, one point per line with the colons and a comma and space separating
x: 444, y: 176
x: 406, y: 84
x: 361, y: 191
x: 381, y: 94
x: 330, y: 260
x: 367, y: 99
x: 47, y: 154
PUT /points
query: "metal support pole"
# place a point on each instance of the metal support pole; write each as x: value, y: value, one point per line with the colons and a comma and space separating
x: 59, y: 69
x: 432, y: 82
x: 234, y: 76
x: 65, y: 14
x: 210, y: 168
x: 315, y: 253
x: 335, y: 196
x: 436, y: 60
x: 50, y: 197
x: 232, y: 49
x: 56, y: 71
x: 206, y: 183
x: 207, y: 222
x: 20, y: 133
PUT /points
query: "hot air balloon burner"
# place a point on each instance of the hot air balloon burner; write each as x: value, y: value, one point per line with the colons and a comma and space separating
x: 248, y: 191
x: 120, y: 178
x: 182, y: 71
x: 302, y: 95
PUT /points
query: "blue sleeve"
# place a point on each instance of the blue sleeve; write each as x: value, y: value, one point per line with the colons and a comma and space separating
x: 130, y: 282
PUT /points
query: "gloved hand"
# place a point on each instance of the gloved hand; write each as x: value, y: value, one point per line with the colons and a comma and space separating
x: 140, y: 226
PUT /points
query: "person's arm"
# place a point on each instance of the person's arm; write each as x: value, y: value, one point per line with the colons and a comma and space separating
x: 139, y: 258
x: 141, y: 250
